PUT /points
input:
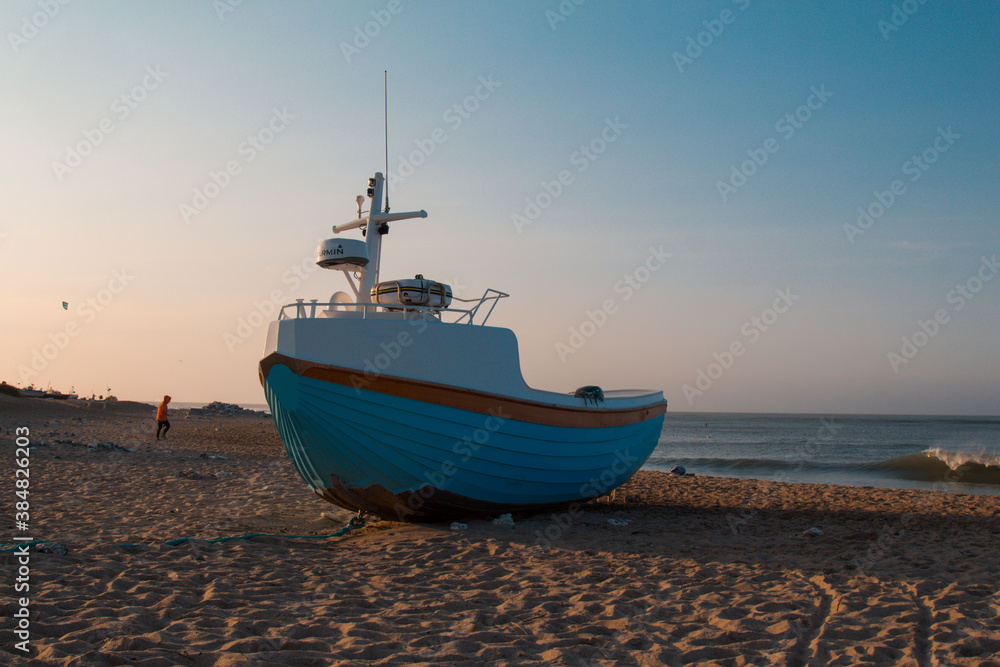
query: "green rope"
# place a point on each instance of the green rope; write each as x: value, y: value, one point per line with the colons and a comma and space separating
x: 14, y: 546
x: 354, y: 524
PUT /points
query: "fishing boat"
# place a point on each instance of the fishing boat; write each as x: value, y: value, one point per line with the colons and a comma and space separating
x: 58, y: 395
x: 398, y: 400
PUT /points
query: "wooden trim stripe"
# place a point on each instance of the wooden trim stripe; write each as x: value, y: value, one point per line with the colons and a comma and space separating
x: 533, y: 412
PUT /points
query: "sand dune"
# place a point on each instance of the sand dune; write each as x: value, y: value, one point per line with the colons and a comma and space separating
x: 706, y: 571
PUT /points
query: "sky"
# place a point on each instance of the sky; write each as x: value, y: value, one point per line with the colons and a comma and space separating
x: 755, y: 207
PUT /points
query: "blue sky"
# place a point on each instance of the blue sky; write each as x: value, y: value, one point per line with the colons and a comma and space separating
x: 643, y: 109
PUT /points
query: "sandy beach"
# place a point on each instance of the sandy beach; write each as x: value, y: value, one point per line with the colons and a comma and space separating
x: 672, y: 570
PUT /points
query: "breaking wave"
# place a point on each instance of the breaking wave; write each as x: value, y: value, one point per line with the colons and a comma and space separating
x: 928, y: 466
x: 938, y: 465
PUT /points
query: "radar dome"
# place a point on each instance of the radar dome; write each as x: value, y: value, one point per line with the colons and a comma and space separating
x: 342, y: 254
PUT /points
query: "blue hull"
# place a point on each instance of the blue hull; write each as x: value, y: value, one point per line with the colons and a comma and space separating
x: 414, y: 460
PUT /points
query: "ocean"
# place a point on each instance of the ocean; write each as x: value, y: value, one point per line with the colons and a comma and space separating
x: 934, y: 453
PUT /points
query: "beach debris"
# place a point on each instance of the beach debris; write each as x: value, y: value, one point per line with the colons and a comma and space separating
x: 91, y: 446
x: 678, y: 470
x: 220, y: 409
x: 617, y: 522
x: 455, y: 525
x: 221, y: 457
x: 54, y: 548
x: 193, y: 474
x: 331, y: 517
x: 503, y: 520
x: 811, y: 532
x: 104, y: 446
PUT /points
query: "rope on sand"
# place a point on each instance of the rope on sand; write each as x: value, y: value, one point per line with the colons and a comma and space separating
x: 14, y: 546
x: 354, y: 524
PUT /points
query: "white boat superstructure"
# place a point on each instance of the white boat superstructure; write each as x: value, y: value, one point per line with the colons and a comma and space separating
x: 399, y: 402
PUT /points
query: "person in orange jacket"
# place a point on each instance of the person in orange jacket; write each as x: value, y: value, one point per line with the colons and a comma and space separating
x: 161, y: 418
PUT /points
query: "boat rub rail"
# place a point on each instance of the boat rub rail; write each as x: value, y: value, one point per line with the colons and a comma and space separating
x: 533, y: 412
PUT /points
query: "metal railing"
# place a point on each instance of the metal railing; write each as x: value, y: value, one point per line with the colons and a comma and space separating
x: 303, y: 309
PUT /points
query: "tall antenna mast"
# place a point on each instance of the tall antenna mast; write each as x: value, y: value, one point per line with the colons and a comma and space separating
x: 385, y: 111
